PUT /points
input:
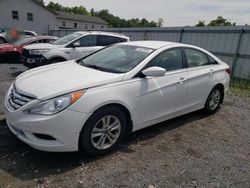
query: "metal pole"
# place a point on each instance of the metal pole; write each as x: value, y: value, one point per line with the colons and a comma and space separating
x: 181, y: 34
x: 236, y: 55
x: 145, y: 35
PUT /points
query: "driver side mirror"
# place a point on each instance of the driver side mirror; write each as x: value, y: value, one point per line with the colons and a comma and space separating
x: 154, y: 72
x: 76, y: 44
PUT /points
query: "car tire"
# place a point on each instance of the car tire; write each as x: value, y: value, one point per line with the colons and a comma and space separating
x: 103, y: 131
x: 2, y: 40
x: 214, y: 100
x: 56, y: 60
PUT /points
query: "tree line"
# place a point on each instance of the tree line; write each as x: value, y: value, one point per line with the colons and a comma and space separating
x: 112, y: 20
x: 219, y: 21
x: 117, y: 22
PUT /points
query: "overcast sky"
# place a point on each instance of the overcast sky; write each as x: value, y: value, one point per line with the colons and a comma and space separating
x: 174, y: 12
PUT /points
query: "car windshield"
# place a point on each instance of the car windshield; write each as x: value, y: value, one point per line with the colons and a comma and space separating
x: 22, y: 41
x: 117, y: 58
x: 67, y: 39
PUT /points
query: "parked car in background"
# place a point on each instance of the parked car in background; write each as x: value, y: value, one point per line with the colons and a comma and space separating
x: 73, y: 46
x: 11, y: 53
x: 5, y: 38
x: 90, y: 104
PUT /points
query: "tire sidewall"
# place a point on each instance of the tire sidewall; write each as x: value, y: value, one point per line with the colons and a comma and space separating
x: 85, y: 143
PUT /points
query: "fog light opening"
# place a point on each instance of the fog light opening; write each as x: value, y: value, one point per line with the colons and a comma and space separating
x: 44, y: 137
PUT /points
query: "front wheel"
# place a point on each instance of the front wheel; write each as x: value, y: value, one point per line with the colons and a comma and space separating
x: 103, y: 131
x: 214, y: 100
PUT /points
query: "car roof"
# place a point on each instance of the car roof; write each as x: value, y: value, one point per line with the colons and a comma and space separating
x: 149, y: 44
x: 30, y: 32
x: 40, y: 37
x: 101, y: 33
x: 44, y: 37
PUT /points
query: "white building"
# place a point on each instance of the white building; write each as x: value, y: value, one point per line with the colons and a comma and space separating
x: 75, y: 21
x: 31, y: 15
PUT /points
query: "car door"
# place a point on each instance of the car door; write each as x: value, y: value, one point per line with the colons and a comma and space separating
x: 200, y: 77
x: 162, y: 97
x: 87, y: 45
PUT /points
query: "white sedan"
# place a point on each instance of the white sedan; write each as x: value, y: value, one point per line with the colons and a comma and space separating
x: 91, y: 104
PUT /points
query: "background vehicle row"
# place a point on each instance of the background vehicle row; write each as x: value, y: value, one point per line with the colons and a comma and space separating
x: 73, y: 46
x: 11, y: 52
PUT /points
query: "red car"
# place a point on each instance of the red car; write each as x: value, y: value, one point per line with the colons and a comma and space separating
x: 11, y: 53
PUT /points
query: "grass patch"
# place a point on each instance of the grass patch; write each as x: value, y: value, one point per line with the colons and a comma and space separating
x: 240, y: 88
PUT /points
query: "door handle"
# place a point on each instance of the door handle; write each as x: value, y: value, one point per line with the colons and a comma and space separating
x: 211, y: 71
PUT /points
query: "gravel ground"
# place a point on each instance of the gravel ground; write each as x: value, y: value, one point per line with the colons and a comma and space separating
x: 190, y: 151
x: 8, y: 72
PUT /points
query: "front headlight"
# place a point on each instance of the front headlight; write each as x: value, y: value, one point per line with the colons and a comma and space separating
x: 55, y: 105
x: 38, y: 52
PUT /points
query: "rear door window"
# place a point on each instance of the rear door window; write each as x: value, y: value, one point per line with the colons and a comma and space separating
x: 195, y: 58
x: 87, y: 41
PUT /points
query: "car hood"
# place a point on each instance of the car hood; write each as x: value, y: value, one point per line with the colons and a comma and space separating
x: 41, y: 46
x: 57, y: 79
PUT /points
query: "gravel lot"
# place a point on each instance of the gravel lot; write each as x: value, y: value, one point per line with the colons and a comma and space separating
x: 8, y: 72
x: 190, y: 151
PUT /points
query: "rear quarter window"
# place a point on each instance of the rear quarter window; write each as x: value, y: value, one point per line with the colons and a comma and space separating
x: 104, y: 40
x: 212, y: 61
x: 122, y: 39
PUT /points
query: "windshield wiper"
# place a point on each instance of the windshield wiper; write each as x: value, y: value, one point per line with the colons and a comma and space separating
x: 96, y: 67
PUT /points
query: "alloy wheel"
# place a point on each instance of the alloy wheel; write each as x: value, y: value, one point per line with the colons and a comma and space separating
x: 214, y: 99
x: 106, y: 132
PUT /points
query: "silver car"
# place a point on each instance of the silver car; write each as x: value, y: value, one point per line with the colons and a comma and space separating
x: 73, y: 46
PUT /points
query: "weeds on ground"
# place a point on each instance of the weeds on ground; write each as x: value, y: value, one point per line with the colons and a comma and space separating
x: 240, y: 88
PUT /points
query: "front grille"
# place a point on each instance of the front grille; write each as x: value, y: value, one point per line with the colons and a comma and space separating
x: 17, y: 100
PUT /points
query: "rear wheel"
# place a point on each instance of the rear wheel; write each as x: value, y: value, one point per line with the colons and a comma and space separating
x: 103, y: 131
x: 214, y: 100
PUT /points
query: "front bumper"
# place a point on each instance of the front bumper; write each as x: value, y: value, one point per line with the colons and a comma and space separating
x: 61, y: 130
x: 32, y: 61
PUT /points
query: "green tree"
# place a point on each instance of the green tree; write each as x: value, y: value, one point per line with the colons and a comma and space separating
x: 92, y: 12
x: 115, y: 21
x: 220, y: 21
x: 153, y: 24
x: 55, y: 6
x: 201, y: 23
x: 76, y: 10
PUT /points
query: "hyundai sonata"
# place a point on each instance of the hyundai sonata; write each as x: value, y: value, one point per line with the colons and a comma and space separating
x: 92, y: 103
